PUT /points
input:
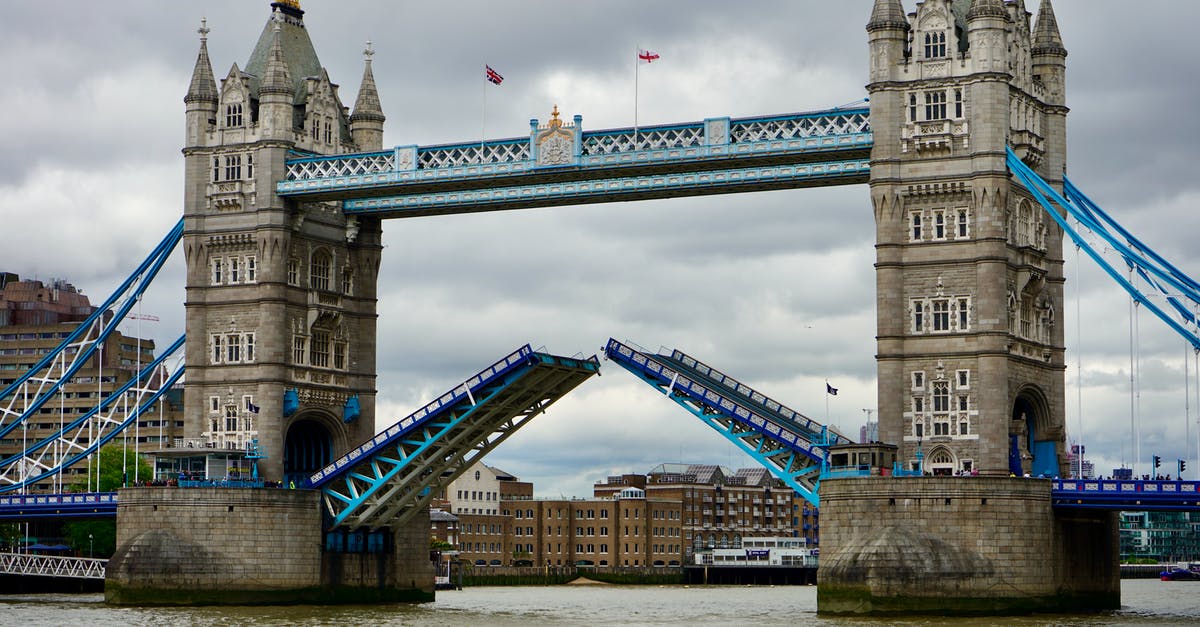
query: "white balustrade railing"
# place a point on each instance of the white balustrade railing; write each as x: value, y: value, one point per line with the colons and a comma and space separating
x: 32, y: 565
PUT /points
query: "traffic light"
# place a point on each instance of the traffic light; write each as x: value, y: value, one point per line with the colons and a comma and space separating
x: 1157, y: 461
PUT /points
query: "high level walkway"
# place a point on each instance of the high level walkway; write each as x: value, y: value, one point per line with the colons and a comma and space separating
x: 561, y: 164
x: 31, y: 565
x: 389, y: 478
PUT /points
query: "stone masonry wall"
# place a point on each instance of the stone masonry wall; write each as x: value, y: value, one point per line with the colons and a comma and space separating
x: 970, y: 545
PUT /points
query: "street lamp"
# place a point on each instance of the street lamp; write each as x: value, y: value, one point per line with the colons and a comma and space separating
x: 90, y: 545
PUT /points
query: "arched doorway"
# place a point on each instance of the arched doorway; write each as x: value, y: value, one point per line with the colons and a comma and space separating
x: 1029, y: 450
x: 307, y: 448
x: 940, y: 462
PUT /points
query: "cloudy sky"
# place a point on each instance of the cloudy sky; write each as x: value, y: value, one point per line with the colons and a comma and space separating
x: 775, y: 288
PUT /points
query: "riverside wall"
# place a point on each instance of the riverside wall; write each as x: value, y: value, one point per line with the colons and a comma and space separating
x: 251, y: 546
x: 961, y: 545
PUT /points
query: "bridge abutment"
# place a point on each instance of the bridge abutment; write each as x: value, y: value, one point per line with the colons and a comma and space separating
x: 224, y: 546
x: 961, y: 545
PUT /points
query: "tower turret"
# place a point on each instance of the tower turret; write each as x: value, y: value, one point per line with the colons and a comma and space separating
x: 202, y: 95
x: 1049, y: 55
x: 366, y: 124
x: 277, y: 92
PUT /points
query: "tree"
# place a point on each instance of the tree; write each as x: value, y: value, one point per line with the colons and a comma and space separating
x: 92, y: 538
x: 116, y: 465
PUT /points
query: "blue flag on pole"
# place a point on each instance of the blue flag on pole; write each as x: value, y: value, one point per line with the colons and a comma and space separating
x: 830, y: 390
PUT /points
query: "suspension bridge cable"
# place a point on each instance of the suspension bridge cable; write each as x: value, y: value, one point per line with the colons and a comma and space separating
x: 1079, y: 355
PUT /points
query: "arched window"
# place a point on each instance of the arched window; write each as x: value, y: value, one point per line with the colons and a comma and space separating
x: 318, y: 270
x: 935, y: 45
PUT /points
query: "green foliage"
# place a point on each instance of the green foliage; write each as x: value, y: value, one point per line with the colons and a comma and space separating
x: 114, y: 462
x: 10, y: 535
x: 103, y: 540
x: 440, y: 545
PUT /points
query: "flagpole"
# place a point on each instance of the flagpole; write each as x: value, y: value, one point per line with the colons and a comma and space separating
x: 483, y: 121
x: 827, y: 404
x: 637, y: 66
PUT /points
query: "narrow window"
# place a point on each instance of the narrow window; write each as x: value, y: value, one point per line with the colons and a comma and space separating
x: 912, y: 107
x: 217, y: 272
x: 328, y: 131
x: 233, y: 348
x: 235, y: 270
x: 249, y: 165
x: 962, y: 223
x: 339, y: 355
x: 963, y: 403
x: 318, y: 271
x: 918, y: 404
x: 216, y: 348
x: 216, y: 169
x: 939, y: 225
x: 958, y: 103
x: 941, y: 315
x: 916, y: 227
x: 251, y: 269
x: 941, y: 397
x: 214, y: 403
x: 918, y: 380
x: 918, y: 317
x: 347, y: 280
x: 964, y: 379
x: 293, y: 271
x: 249, y: 347
x: 298, y: 350
x: 318, y: 353
x: 964, y: 310
x: 935, y: 105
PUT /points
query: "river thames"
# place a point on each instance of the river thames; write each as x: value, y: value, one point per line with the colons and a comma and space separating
x: 1144, y: 602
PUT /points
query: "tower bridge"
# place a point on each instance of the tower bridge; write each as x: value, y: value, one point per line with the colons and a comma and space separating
x: 963, y: 144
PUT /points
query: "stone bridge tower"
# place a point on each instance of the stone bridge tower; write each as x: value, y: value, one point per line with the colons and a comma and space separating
x: 280, y: 296
x: 969, y: 269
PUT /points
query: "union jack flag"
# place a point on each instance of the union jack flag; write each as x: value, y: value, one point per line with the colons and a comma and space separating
x: 493, y: 76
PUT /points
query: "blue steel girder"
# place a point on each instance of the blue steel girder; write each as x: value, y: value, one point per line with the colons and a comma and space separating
x: 387, y: 480
x: 792, y: 447
x: 718, y: 155
x: 76, y: 505
x: 1126, y: 495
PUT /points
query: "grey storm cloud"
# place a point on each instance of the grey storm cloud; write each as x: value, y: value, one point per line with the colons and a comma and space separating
x: 776, y: 288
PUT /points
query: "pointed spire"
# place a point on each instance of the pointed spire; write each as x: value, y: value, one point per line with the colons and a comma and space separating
x: 1046, y: 37
x: 204, y: 85
x: 277, y: 79
x: 367, y: 106
x: 887, y: 14
x: 987, y: 8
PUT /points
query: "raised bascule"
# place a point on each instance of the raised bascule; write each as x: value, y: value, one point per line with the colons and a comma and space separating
x: 963, y: 146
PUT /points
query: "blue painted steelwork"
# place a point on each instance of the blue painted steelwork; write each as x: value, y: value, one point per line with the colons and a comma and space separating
x: 85, y: 340
x: 714, y: 156
x: 1137, y: 256
x: 790, y: 445
x: 385, y: 480
x: 83, y: 504
x: 1121, y: 495
x: 106, y: 426
x: 759, y: 178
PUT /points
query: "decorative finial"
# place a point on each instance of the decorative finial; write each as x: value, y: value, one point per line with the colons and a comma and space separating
x: 204, y: 30
x: 554, y: 121
x: 295, y: 4
x: 369, y: 52
x: 277, y: 17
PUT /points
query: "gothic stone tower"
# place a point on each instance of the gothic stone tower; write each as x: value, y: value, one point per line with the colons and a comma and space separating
x: 280, y: 296
x: 969, y: 270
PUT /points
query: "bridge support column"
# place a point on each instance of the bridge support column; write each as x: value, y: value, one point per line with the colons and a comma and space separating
x: 961, y: 546
x: 222, y: 546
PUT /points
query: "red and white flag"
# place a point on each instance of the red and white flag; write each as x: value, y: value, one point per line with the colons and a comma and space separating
x: 493, y: 76
x: 648, y: 56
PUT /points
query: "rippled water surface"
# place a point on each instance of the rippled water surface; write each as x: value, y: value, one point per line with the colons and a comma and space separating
x: 1145, y: 602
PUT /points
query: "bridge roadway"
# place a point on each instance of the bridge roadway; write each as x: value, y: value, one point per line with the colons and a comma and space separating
x: 561, y: 164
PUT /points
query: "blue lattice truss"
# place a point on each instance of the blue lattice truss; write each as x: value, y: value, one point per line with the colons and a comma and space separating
x: 392, y: 476
x: 714, y: 156
x: 791, y: 446
x: 1171, y: 295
